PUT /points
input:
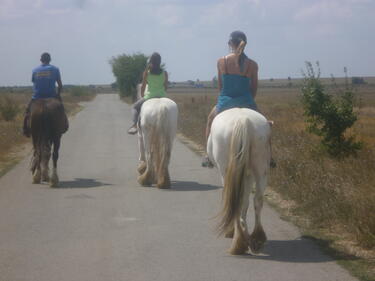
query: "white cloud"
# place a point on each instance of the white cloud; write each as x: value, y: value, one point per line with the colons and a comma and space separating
x: 326, y: 10
x: 330, y: 10
x: 170, y: 15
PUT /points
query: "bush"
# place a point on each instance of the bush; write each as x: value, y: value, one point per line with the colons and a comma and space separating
x: 8, y: 108
x: 79, y: 91
x: 329, y: 117
x: 128, y: 71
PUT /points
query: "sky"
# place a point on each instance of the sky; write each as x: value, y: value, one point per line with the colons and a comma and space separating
x: 190, y: 35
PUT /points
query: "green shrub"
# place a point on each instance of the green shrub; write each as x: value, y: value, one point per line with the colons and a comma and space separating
x: 329, y: 117
x: 128, y: 71
x: 78, y: 91
x: 8, y: 108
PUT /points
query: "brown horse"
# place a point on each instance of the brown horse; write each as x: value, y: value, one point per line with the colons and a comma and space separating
x: 47, y: 123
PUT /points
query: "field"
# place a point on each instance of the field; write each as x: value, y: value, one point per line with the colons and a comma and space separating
x: 331, y: 200
x: 15, y: 100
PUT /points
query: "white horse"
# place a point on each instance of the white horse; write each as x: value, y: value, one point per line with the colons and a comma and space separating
x: 156, y: 131
x: 239, y: 145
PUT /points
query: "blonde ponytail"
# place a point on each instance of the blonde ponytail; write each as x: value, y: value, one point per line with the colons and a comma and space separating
x: 240, y: 48
x: 239, y: 53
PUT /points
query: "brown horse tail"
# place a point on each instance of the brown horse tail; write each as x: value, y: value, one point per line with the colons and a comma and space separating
x: 238, y: 168
x: 40, y: 131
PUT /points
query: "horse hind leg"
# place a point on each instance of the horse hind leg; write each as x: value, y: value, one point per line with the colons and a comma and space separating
x: 163, y: 181
x: 55, y: 156
x: 240, y: 243
x: 36, y: 171
x: 146, y: 177
x: 142, y: 157
x: 258, y: 236
x: 46, y: 155
x: 240, y: 234
x: 245, y: 205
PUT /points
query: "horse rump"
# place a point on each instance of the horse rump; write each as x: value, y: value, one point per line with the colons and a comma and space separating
x: 46, y: 125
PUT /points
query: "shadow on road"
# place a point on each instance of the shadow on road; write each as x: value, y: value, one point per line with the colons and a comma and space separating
x: 302, y: 250
x: 191, y: 186
x: 82, y: 183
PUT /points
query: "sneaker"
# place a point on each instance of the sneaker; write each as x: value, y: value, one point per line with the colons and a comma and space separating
x: 207, y: 162
x: 132, y: 130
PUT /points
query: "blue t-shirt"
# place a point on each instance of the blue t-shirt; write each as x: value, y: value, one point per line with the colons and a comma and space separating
x: 44, y: 78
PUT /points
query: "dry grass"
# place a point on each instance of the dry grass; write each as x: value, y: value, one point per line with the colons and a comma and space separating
x: 11, y: 131
x: 334, y: 197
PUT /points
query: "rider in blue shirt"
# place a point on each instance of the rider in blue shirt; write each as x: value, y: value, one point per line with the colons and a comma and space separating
x: 44, y: 78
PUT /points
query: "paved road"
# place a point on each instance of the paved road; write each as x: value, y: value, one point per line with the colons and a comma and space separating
x: 101, y: 225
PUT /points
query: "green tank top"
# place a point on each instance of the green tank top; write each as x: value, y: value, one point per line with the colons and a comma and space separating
x: 155, y: 86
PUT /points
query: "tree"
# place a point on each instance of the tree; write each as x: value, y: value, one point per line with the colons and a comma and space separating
x: 327, y: 116
x: 128, y: 71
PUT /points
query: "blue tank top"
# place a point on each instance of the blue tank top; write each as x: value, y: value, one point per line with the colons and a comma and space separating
x: 235, y: 92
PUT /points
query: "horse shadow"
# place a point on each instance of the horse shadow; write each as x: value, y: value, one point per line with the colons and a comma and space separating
x: 305, y: 249
x: 191, y: 186
x: 82, y: 183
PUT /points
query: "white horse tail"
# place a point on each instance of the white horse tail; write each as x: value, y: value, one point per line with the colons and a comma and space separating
x: 160, y: 147
x: 237, y: 171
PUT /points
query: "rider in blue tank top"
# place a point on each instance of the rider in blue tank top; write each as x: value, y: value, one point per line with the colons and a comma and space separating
x: 238, y: 81
x: 235, y: 92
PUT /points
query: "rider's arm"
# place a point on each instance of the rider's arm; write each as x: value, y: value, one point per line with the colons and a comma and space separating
x: 59, y: 88
x: 165, y: 80
x: 144, y: 83
x: 59, y: 83
x: 254, y: 78
x: 219, y: 75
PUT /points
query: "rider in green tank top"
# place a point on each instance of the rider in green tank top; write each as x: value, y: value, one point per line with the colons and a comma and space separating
x: 156, y: 80
x: 156, y: 87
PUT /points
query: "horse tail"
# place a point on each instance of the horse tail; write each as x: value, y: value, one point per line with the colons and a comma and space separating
x: 41, y: 131
x: 160, y: 142
x: 237, y: 170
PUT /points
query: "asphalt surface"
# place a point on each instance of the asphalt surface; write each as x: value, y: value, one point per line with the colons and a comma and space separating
x: 101, y: 225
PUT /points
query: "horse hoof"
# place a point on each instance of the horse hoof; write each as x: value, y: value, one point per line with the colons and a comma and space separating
x: 239, y: 248
x: 54, y: 181
x: 142, y: 167
x: 36, y: 181
x: 257, y: 241
x: 144, y: 182
x: 37, y: 177
x: 163, y: 186
x: 46, y: 178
